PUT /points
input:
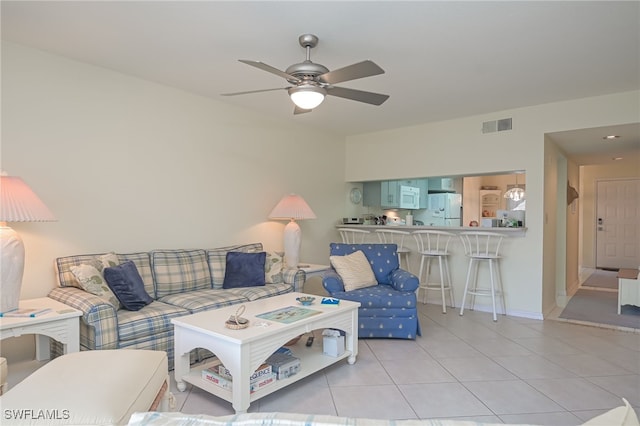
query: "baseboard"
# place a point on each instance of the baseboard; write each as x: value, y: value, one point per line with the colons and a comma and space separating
x: 511, y: 312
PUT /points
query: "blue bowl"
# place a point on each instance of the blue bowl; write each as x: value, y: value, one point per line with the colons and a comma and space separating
x: 305, y: 300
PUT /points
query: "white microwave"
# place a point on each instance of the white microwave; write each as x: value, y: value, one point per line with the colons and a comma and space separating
x: 409, y: 197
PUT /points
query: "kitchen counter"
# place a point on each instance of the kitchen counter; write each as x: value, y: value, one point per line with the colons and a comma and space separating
x: 510, y: 232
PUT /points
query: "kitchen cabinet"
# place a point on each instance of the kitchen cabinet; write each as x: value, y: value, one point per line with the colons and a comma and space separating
x: 389, y: 195
x: 442, y: 185
x: 371, y: 193
x: 386, y: 194
x: 490, y: 202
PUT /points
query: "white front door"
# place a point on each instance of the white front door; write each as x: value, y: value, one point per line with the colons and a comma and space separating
x: 618, y: 223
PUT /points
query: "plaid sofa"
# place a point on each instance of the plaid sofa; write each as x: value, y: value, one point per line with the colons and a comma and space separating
x: 181, y: 282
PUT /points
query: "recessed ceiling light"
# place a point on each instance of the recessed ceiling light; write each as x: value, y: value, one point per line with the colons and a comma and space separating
x: 611, y: 137
x: 617, y: 158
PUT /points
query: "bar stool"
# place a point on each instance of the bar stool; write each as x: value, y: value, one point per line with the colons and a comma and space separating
x: 483, y: 247
x: 392, y: 236
x: 353, y: 236
x: 435, y: 245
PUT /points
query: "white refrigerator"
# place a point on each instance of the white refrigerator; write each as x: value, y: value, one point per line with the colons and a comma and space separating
x: 444, y: 209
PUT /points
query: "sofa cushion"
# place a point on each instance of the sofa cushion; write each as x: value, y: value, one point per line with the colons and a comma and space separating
x: 244, y: 270
x: 217, y: 259
x: 354, y: 269
x: 380, y: 296
x: 148, y: 323
x: 255, y: 293
x: 179, y: 271
x: 383, y: 257
x: 125, y: 281
x: 204, y: 300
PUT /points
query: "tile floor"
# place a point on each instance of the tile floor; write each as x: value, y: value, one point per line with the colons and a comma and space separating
x: 513, y: 371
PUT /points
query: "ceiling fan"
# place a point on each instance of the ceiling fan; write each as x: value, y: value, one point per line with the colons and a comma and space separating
x: 311, y: 82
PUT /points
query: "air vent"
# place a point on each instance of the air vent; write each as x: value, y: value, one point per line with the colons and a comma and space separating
x: 497, y: 125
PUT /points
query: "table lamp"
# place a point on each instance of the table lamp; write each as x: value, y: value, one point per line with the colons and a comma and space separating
x: 18, y: 203
x: 292, y: 207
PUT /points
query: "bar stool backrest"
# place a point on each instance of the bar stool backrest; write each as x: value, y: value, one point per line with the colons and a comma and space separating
x: 353, y: 236
x: 434, y: 242
x: 392, y: 236
x: 482, y: 244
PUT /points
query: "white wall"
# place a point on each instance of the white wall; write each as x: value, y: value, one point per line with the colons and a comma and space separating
x: 573, y: 234
x: 458, y: 147
x: 128, y: 165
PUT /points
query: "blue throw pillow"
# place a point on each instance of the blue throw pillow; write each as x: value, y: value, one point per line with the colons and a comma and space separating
x: 125, y: 282
x: 244, y: 270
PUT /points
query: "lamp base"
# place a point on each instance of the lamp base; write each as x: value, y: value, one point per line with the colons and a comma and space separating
x: 292, y: 238
x: 12, y: 268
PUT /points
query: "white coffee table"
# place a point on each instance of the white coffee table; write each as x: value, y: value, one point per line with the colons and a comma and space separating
x: 242, y: 351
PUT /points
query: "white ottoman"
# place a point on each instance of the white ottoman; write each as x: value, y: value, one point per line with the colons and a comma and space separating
x: 3, y: 375
x: 90, y: 388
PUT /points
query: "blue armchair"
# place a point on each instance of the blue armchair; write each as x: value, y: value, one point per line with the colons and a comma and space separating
x: 388, y: 309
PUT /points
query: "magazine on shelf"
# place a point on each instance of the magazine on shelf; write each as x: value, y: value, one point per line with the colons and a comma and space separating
x: 26, y: 312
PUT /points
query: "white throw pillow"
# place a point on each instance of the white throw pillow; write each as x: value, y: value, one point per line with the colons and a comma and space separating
x: 355, y: 270
x: 92, y: 281
x: 91, y: 278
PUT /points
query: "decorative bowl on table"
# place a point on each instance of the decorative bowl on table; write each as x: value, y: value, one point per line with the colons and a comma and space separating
x: 305, y: 300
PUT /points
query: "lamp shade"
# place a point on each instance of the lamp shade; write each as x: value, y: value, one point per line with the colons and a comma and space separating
x: 18, y: 203
x: 292, y: 206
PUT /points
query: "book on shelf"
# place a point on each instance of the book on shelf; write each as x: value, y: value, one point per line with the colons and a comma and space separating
x: 263, y: 370
x: 26, y: 312
x: 211, y: 375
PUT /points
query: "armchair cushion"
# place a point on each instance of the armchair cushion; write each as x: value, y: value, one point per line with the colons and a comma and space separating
x: 355, y: 270
x: 383, y: 257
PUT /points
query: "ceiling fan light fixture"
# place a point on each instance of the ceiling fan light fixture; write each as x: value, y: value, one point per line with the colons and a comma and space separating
x: 307, y: 96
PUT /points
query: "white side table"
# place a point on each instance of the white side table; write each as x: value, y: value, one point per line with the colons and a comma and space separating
x: 313, y: 270
x: 314, y: 286
x: 628, y: 288
x: 61, y: 324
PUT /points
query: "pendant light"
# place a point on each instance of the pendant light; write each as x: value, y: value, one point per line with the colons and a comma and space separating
x: 516, y: 193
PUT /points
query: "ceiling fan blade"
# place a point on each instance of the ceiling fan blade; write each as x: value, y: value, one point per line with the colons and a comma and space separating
x: 298, y: 110
x: 270, y: 69
x: 351, y: 72
x: 253, y: 91
x: 357, y: 95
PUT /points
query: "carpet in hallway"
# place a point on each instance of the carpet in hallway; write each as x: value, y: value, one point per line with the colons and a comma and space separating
x: 602, y: 279
x: 600, y: 307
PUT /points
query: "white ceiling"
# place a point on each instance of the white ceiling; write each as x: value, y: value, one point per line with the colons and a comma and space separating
x: 443, y: 60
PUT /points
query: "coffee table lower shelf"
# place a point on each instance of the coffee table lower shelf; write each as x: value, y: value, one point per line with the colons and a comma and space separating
x: 312, y: 360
